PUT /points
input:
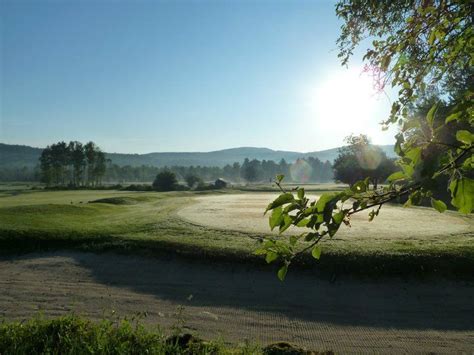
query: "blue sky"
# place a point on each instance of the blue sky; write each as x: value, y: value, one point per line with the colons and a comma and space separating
x: 142, y: 76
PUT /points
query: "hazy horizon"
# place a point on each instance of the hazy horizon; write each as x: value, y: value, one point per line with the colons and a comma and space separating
x: 182, y: 77
x: 195, y: 151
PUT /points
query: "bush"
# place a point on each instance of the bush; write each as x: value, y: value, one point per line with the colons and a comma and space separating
x: 165, y: 181
x: 134, y: 187
x: 193, y: 180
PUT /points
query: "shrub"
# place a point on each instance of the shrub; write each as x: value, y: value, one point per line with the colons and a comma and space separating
x: 193, y: 180
x: 165, y: 181
x: 134, y: 187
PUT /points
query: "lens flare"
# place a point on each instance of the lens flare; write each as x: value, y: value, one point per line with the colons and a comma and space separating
x: 300, y: 171
x: 369, y: 158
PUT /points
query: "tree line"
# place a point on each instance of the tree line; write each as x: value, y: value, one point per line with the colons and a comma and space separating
x: 85, y: 165
x: 251, y: 171
x: 74, y: 164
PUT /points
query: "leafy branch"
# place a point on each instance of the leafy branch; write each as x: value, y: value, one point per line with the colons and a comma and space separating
x: 323, y: 217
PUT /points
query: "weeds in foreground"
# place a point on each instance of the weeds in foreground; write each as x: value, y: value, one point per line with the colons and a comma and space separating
x: 72, y: 334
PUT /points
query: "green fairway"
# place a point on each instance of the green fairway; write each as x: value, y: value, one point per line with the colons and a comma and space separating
x: 149, y: 223
x: 104, y: 220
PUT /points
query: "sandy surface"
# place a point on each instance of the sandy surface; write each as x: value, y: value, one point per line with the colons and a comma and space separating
x: 238, y: 302
x: 244, y: 212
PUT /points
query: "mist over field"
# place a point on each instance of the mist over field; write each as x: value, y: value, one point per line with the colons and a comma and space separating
x: 25, y: 156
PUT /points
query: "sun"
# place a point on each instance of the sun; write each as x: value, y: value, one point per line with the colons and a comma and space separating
x: 344, y: 101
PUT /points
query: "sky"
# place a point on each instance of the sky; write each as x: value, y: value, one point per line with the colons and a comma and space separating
x: 142, y: 76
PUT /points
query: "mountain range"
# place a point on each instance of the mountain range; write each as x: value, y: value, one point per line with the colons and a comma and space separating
x: 21, y: 155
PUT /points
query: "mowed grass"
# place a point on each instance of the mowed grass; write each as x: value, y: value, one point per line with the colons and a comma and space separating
x: 143, y: 222
x: 148, y: 223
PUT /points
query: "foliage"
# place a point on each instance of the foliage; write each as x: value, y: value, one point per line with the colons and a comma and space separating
x: 359, y: 159
x: 76, y: 335
x: 72, y: 334
x: 251, y: 170
x: 72, y: 164
x: 420, y: 47
x: 267, y: 169
x: 423, y: 48
x: 193, y: 180
x: 165, y: 181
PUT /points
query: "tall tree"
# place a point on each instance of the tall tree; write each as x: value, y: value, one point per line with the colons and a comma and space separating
x: 359, y: 160
x: 250, y: 170
x: 100, y: 166
x: 72, y: 164
x: 46, y: 166
x: 60, y: 161
x: 89, y: 151
x: 78, y: 161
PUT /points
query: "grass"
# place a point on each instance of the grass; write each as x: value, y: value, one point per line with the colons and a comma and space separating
x: 72, y: 334
x: 76, y: 335
x: 146, y: 223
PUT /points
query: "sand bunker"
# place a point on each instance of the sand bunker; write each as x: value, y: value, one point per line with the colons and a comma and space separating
x: 238, y: 302
x: 244, y: 212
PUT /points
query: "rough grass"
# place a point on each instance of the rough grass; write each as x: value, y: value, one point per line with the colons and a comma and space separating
x: 32, y: 221
x: 75, y: 335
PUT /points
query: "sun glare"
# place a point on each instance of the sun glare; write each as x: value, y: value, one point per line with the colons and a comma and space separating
x: 345, y: 102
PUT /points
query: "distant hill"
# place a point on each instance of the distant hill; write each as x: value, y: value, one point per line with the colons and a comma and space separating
x: 20, y: 155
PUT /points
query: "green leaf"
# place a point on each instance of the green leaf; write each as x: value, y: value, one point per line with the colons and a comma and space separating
x: 414, y: 155
x: 316, y: 252
x: 287, y: 221
x: 282, y: 272
x: 465, y: 137
x: 453, y: 117
x: 431, y: 114
x: 407, y: 170
x: 439, y: 205
x: 371, y: 215
x: 280, y: 177
x: 301, y: 193
x: 290, y: 207
x: 338, y: 217
x: 276, y: 218
x: 432, y: 37
x: 293, y: 240
x: 311, y: 236
x: 468, y: 163
x: 462, y: 192
x: 271, y: 256
x: 303, y: 222
x: 324, y: 199
x: 399, y: 175
x: 359, y: 187
x: 284, y: 198
x: 333, y: 228
x: 398, y: 144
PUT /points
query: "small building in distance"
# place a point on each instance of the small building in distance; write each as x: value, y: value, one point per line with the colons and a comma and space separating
x: 220, y: 184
